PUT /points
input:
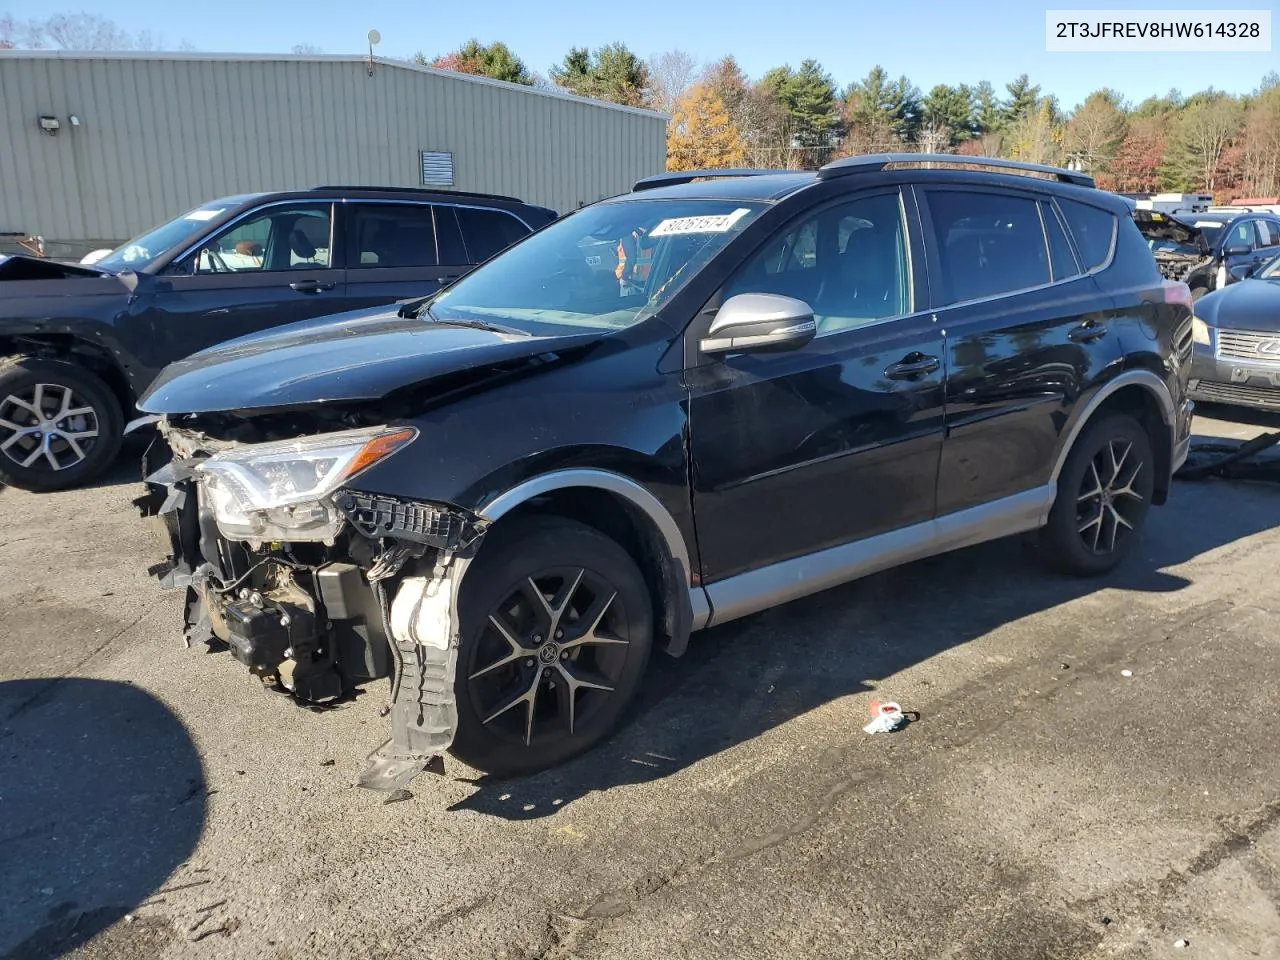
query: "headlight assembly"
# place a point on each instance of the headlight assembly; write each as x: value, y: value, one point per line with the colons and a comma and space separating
x: 282, y: 490
x: 1199, y: 331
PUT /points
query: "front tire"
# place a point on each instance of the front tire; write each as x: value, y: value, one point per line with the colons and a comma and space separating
x: 1104, y: 493
x: 60, y: 424
x: 556, y: 629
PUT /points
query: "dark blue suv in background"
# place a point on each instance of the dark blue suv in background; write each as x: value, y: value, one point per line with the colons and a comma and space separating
x: 503, y: 497
x: 1208, y: 251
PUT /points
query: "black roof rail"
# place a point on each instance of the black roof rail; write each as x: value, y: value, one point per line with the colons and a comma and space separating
x: 688, y: 176
x: 872, y: 163
x: 368, y: 188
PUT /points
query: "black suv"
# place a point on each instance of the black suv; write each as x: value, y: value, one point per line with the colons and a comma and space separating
x: 712, y: 395
x: 79, y: 342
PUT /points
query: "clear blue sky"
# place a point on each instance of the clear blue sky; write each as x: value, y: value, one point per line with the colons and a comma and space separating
x: 931, y: 41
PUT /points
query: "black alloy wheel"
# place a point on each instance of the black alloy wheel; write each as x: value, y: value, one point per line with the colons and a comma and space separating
x: 1104, y: 493
x: 557, y: 627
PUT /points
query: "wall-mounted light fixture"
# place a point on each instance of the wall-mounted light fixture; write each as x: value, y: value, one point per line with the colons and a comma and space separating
x: 50, y: 125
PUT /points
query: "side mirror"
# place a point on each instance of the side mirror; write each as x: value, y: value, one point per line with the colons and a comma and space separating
x: 758, y: 322
x: 1237, y: 250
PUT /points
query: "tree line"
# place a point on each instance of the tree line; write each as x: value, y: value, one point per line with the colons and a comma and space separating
x: 799, y: 118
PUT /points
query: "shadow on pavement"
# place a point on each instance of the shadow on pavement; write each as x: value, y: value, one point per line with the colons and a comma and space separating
x: 103, y: 797
x: 742, y: 679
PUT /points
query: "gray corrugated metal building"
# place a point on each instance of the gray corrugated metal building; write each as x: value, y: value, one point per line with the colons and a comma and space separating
x: 142, y: 137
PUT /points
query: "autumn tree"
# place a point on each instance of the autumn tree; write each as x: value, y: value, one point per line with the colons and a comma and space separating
x: 1135, y: 167
x: 1258, y: 163
x: 1204, y: 130
x: 611, y: 73
x: 701, y: 135
x: 494, y: 60
x: 755, y: 111
x: 670, y: 74
x: 1095, y: 130
x: 1037, y: 137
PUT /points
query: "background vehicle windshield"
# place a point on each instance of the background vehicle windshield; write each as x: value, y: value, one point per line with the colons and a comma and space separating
x: 141, y: 251
x: 1270, y: 270
x: 608, y: 266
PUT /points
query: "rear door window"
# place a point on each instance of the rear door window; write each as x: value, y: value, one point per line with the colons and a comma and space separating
x: 1063, y: 261
x: 1093, y: 229
x: 487, y: 232
x: 385, y: 235
x: 453, y: 252
x: 989, y: 244
x: 1268, y: 234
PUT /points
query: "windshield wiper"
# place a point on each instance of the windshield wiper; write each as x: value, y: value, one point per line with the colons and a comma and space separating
x: 473, y: 324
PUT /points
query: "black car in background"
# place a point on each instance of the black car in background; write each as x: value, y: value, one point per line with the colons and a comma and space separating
x: 78, y: 343
x: 1237, y: 342
x: 1209, y: 251
x: 504, y: 497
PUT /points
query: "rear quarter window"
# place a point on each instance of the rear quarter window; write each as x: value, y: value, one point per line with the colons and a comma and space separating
x: 1094, y: 230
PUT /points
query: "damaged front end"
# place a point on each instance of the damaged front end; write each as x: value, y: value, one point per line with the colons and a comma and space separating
x: 315, y: 586
x: 1180, y: 249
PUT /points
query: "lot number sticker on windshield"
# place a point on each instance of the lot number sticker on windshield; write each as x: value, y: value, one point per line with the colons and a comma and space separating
x: 202, y: 214
x: 721, y: 223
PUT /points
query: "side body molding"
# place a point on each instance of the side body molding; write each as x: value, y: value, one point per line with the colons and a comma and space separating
x: 693, y: 609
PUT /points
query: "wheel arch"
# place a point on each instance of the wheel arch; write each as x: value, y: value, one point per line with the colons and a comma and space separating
x: 1143, y: 395
x: 622, y: 509
x: 75, y: 349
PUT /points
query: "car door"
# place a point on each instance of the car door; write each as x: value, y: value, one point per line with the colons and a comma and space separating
x: 1239, y: 248
x: 838, y: 439
x: 1025, y: 330
x: 399, y: 250
x: 268, y: 267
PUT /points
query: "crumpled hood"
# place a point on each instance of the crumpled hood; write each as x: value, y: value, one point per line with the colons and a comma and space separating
x: 1162, y: 226
x: 362, y: 355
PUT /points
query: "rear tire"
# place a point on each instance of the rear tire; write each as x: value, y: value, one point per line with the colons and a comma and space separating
x: 1104, y: 493
x: 556, y: 626
x: 60, y: 424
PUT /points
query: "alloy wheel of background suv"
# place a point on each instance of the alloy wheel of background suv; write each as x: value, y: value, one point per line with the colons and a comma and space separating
x: 60, y: 425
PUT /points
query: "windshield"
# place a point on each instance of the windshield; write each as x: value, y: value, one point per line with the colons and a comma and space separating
x: 608, y: 266
x: 141, y: 251
x: 1270, y: 269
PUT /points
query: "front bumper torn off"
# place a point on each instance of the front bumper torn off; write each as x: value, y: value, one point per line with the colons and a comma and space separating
x: 380, y: 603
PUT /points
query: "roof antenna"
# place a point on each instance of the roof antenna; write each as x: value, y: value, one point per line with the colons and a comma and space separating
x: 374, y: 38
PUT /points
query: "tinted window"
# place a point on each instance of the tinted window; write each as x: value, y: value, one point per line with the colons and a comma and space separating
x: 1268, y: 234
x: 1063, y: 260
x: 1093, y: 230
x: 449, y: 238
x: 488, y: 231
x: 988, y: 243
x: 391, y: 235
x: 280, y: 238
x: 848, y: 262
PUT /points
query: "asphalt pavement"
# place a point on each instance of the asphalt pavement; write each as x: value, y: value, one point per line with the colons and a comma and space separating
x: 1093, y: 773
